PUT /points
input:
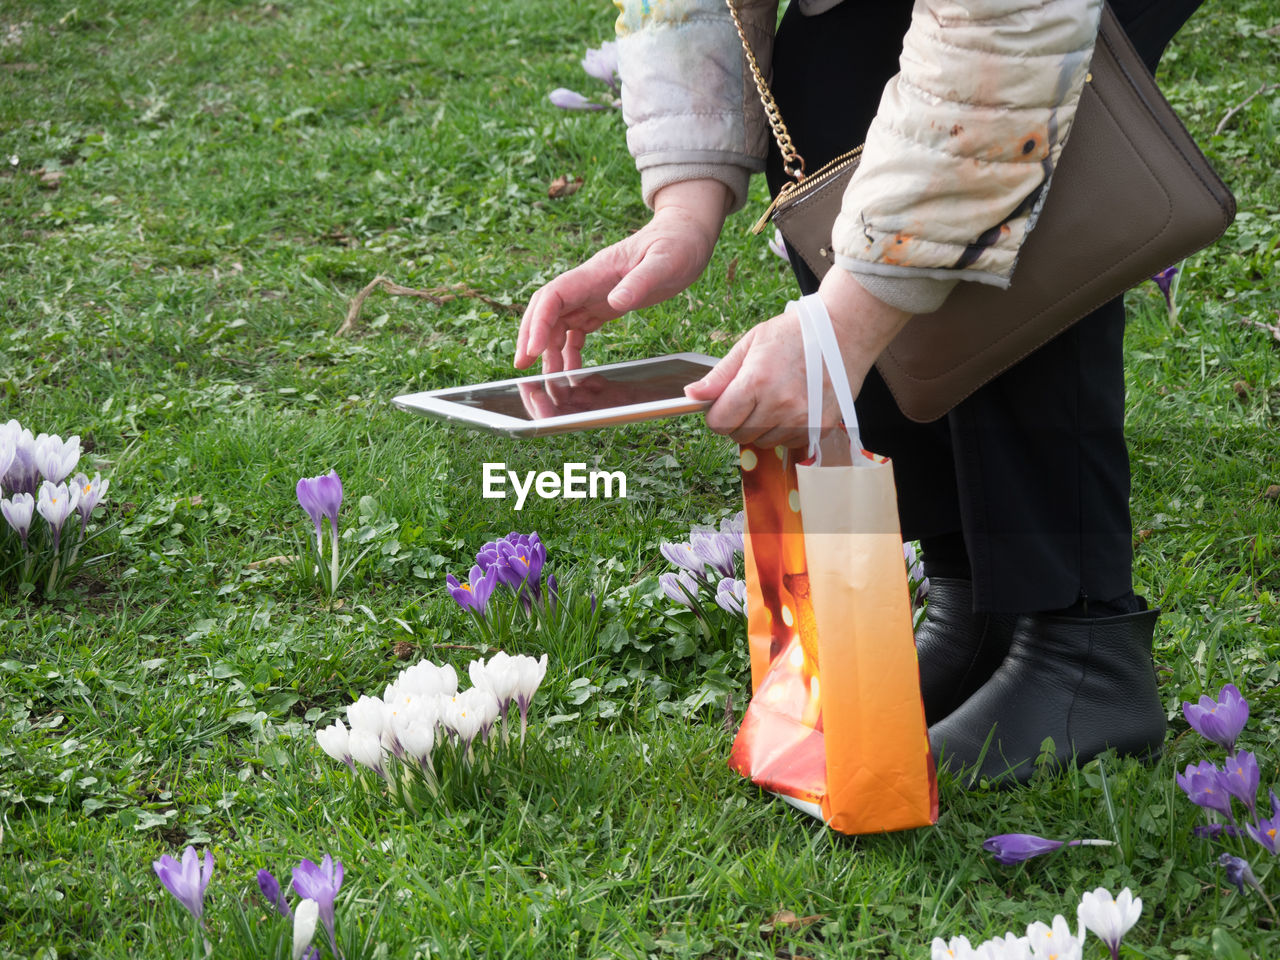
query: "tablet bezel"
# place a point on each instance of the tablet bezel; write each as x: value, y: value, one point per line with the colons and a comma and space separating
x: 437, y: 405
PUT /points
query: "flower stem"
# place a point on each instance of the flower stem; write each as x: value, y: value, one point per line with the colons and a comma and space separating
x: 53, y: 575
x: 333, y: 565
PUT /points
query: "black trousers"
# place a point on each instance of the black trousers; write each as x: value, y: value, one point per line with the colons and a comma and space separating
x: 1032, y: 469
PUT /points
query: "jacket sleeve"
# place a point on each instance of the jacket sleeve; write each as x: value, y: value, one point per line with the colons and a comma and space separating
x: 959, y: 157
x: 688, y: 98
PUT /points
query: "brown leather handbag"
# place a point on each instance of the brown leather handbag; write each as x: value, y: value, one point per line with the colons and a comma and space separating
x: 1131, y: 194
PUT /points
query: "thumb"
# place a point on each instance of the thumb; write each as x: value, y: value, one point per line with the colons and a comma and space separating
x: 714, y: 383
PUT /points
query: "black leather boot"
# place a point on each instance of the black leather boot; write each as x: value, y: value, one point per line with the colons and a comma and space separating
x: 1089, y: 684
x: 958, y: 649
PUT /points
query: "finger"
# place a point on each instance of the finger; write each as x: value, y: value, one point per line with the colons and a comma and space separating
x: 552, y: 361
x: 544, y: 317
x: 523, y: 357
x: 559, y: 389
x: 647, y: 282
x: 535, y: 400
x: 714, y: 383
x: 585, y: 287
x: 792, y: 438
x: 732, y: 411
x: 572, y: 352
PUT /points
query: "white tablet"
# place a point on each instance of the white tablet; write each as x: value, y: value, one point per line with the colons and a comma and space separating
x: 573, y: 400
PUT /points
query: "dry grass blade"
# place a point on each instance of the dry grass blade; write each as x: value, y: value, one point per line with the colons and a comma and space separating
x: 436, y: 295
x: 1265, y: 88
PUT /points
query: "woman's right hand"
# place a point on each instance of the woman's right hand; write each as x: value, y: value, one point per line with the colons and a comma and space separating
x: 656, y: 262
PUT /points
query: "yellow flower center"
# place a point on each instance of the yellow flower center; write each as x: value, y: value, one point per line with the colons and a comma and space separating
x: 466, y: 586
x: 1272, y: 833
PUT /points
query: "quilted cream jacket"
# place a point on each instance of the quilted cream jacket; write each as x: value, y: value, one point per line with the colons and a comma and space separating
x: 956, y: 161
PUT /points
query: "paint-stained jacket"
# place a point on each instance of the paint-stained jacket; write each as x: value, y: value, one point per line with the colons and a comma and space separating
x: 955, y: 164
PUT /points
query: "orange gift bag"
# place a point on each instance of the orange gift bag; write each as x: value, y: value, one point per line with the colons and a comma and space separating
x: 836, y: 724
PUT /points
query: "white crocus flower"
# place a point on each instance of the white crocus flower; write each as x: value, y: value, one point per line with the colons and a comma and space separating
x: 22, y: 473
x: 335, y: 741
x: 91, y: 493
x: 366, y: 750
x: 464, y: 718
x: 305, y: 918
x: 531, y: 672
x: 1109, y: 918
x: 55, y: 504
x: 448, y: 680
x: 426, y: 678
x: 55, y: 458
x: 957, y: 948
x: 8, y: 448
x: 500, y: 675
x: 368, y: 715
x: 18, y: 511
x: 484, y: 703
x: 1054, y: 942
x: 1007, y: 947
x: 417, y: 735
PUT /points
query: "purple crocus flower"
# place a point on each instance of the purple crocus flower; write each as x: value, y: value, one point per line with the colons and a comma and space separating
x: 320, y: 883
x: 270, y: 888
x: 567, y: 99
x: 519, y: 559
x: 1267, y: 832
x: 733, y: 528
x: 186, y: 881
x: 1219, y: 720
x: 1010, y: 848
x: 1203, y: 785
x: 731, y: 595
x: 685, y: 557
x: 1164, y: 280
x: 1212, y: 831
x: 680, y: 587
x: 1238, y: 871
x: 602, y: 64
x: 473, y: 595
x: 714, y: 550
x: 1240, y: 779
x: 321, y: 497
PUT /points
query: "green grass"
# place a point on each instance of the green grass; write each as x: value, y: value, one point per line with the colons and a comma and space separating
x: 232, y: 173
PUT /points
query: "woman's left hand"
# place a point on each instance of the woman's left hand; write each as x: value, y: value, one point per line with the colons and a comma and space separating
x: 759, y: 389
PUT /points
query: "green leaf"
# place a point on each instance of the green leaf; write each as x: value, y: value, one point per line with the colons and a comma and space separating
x: 1225, y: 947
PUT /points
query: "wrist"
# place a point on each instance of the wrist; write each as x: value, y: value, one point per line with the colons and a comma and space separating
x: 704, y: 203
x: 864, y: 325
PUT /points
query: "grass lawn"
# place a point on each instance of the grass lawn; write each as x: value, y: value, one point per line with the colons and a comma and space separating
x: 191, y: 193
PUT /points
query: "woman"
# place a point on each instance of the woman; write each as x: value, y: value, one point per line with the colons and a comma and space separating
x: 1019, y: 496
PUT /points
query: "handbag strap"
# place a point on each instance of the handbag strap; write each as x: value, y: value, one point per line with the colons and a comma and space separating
x: 819, y: 340
x: 792, y: 162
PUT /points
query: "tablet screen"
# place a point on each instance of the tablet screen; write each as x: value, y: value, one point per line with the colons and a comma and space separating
x: 584, y: 391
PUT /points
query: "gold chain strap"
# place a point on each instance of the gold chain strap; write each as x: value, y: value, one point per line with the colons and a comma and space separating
x: 792, y: 162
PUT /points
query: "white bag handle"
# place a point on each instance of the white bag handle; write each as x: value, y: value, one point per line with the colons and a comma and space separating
x: 819, y: 339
